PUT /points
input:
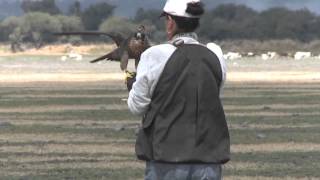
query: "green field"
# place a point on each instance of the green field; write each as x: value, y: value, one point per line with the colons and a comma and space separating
x: 50, y: 132
x: 60, y: 129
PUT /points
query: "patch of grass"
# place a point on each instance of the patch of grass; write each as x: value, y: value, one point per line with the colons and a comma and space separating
x: 44, y: 129
x: 66, y: 155
x: 85, y: 174
x: 31, y: 101
x: 245, y: 129
x: 299, y: 158
x: 281, y: 135
x: 311, y: 99
x: 269, y: 87
x: 42, y: 143
x: 294, y: 170
x: 294, y: 120
x: 238, y: 136
x: 293, y: 111
x: 100, y: 115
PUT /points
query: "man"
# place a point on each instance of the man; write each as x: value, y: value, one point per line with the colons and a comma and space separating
x: 184, y: 133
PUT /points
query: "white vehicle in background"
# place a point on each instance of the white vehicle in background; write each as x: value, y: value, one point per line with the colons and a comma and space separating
x: 232, y: 55
x: 302, y: 55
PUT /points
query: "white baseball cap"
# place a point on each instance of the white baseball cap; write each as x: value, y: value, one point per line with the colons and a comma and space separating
x: 178, y: 8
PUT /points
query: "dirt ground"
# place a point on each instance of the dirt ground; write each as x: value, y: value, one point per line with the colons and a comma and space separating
x: 57, y: 49
x: 46, y: 64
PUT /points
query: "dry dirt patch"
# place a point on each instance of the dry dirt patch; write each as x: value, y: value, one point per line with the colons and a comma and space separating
x: 276, y: 147
x: 297, y: 77
x: 59, y: 49
x: 276, y: 76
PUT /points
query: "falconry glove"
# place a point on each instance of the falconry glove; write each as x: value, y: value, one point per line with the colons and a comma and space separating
x: 130, y: 79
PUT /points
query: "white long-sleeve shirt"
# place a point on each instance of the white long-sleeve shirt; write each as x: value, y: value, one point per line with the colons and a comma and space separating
x: 150, y: 68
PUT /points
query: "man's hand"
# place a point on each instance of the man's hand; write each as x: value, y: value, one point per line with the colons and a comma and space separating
x: 130, y: 79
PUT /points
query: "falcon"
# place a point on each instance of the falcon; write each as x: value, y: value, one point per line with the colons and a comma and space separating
x: 130, y: 47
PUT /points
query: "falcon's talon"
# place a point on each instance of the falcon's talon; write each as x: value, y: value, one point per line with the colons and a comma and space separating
x: 130, y: 78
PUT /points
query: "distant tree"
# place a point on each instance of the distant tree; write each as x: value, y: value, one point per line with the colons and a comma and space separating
x: 297, y: 24
x: 233, y: 12
x: 119, y: 25
x: 150, y: 15
x: 75, y: 9
x: 16, y: 38
x: 11, y: 31
x: 70, y: 23
x: 38, y: 28
x: 46, y: 6
x: 8, y: 25
x: 229, y: 21
x: 270, y: 21
x: 281, y: 23
x: 94, y: 15
x: 215, y: 29
x: 315, y: 26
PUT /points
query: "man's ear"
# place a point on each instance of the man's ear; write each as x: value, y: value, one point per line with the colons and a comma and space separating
x: 171, y: 22
x: 171, y: 27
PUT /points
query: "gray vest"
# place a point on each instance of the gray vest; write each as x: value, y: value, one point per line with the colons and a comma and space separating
x: 185, y: 122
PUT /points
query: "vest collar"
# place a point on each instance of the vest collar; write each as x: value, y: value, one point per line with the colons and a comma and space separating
x: 186, y: 37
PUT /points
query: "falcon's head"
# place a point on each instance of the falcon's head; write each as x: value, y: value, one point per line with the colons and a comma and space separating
x: 140, y: 34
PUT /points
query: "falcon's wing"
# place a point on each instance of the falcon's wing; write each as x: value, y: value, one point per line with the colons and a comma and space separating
x: 114, y: 55
x: 116, y: 37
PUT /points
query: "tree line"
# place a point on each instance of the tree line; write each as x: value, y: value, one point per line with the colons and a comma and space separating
x: 224, y: 22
